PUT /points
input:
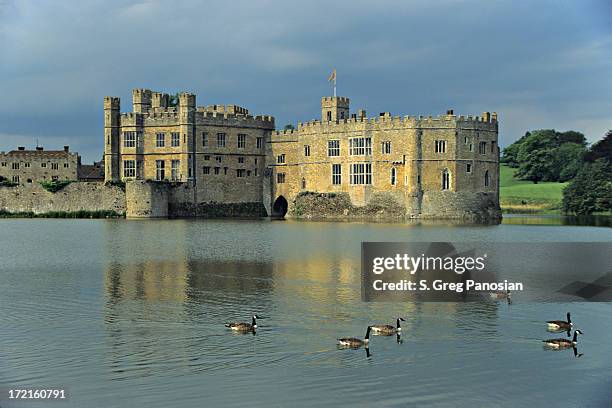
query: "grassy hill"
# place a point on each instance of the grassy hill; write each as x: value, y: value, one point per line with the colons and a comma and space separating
x: 520, y: 196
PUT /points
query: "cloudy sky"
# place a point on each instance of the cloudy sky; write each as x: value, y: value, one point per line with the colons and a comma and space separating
x: 544, y: 64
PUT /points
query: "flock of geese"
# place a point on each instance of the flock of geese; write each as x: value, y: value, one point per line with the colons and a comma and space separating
x: 389, y: 330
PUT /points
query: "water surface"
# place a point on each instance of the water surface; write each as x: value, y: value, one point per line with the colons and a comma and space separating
x: 130, y: 313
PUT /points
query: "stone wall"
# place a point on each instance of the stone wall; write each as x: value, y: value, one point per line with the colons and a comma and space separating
x: 146, y: 199
x: 77, y: 196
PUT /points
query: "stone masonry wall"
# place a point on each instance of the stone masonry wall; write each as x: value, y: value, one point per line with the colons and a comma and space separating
x: 77, y: 196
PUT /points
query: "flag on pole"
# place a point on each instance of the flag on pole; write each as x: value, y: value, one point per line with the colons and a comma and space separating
x: 332, y: 77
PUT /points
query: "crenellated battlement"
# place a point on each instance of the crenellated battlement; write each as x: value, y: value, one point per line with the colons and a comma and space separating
x: 387, y: 120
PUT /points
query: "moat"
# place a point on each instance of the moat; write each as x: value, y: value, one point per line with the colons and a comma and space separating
x: 135, y: 309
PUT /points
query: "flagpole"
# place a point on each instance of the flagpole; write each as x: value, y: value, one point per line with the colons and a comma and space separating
x: 334, y: 85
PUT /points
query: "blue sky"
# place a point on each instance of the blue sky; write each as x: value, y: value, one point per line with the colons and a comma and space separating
x: 543, y: 64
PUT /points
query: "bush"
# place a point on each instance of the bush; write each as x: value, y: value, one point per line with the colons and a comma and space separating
x: 591, y: 190
x: 55, y: 185
x: 7, y: 183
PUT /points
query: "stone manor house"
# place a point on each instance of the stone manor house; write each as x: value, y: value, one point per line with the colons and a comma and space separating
x: 189, y: 160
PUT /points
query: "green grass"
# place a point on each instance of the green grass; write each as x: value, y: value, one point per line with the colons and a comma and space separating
x: 521, y: 196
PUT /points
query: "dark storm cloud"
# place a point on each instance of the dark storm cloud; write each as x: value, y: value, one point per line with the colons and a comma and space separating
x: 540, y: 65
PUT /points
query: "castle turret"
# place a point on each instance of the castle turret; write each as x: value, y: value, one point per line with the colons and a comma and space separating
x: 141, y: 100
x: 187, y: 109
x: 334, y: 108
x: 112, y: 123
x: 159, y: 100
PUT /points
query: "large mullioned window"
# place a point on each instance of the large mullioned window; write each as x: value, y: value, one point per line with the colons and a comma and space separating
x: 333, y: 148
x: 160, y: 169
x: 361, y: 173
x: 220, y: 139
x: 242, y: 140
x: 175, y: 139
x: 440, y: 146
x: 160, y: 140
x: 446, y: 179
x: 129, y: 168
x: 175, y: 170
x: 336, y: 174
x: 360, y: 146
x: 129, y: 139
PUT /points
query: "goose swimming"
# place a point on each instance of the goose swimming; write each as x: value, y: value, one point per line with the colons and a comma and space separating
x: 563, y: 343
x: 387, y: 329
x: 560, y: 324
x: 355, y: 342
x: 243, y: 326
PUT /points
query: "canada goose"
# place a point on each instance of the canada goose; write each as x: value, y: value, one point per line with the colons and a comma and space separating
x: 354, y: 342
x: 387, y: 329
x: 243, y: 326
x: 560, y: 324
x: 563, y: 343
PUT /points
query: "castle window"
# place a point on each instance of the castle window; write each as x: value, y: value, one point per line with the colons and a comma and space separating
x: 240, y: 173
x: 220, y: 139
x: 418, y: 179
x: 66, y: 165
x: 129, y: 139
x: 465, y: 140
x: 336, y: 174
x: 160, y: 169
x: 492, y: 147
x: 29, y: 180
x: 468, y: 168
x: 15, y: 166
x: 218, y: 159
x: 43, y: 164
x: 160, y: 139
x: 280, y: 178
x: 260, y: 142
x: 206, y: 157
x: 393, y: 176
x: 225, y: 171
x: 129, y: 168
x: 303, y: 183
x: 256, y: 160
x: 204, y: 139
x: 206, y: 170
x: 360, y: 146
x: 471, y: 147
x: 386, y: 147
x: 54, y: 166
x: 217, y: 170
x: 329, y: 115
x: 361, y: 173
x: 255, y: 172
x: 15, y: 179
x: 27, y: 165
x: 440, y: 146
x: 3, y: 164
x: 486, y: 178
x: 333, y: 148
x: 248, y: 173
x: 306, y: 150
x: 241, y: 159
x: 445, y: 179
x: 54, y: 178
x: 175, y: 139
x: 482, y: 148
x: 175, y: 170
x: 241, y: 140
x: 280, y: 159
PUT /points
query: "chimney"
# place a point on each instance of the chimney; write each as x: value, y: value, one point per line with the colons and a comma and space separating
x: 66, y: 149
x: 39, y: 148
x: 450, y: 112
x: 21, y: 148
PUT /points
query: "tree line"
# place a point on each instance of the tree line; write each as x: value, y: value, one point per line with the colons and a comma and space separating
x: 549, y: 155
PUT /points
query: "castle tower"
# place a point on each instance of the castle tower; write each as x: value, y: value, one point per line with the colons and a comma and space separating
x: 159, y: 100
x: 112, y: 123
x: 187, y: 109
x: 141, y: 100
x: 334, y: 108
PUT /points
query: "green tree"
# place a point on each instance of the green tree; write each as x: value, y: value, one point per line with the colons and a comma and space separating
x: 173, y: 100
x: 591, y: 190
x: 568, y: 160
x: 289, y: 127
x: 601, y: 150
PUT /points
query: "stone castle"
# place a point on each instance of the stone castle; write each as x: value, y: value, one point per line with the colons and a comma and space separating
x: 189, y: 160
